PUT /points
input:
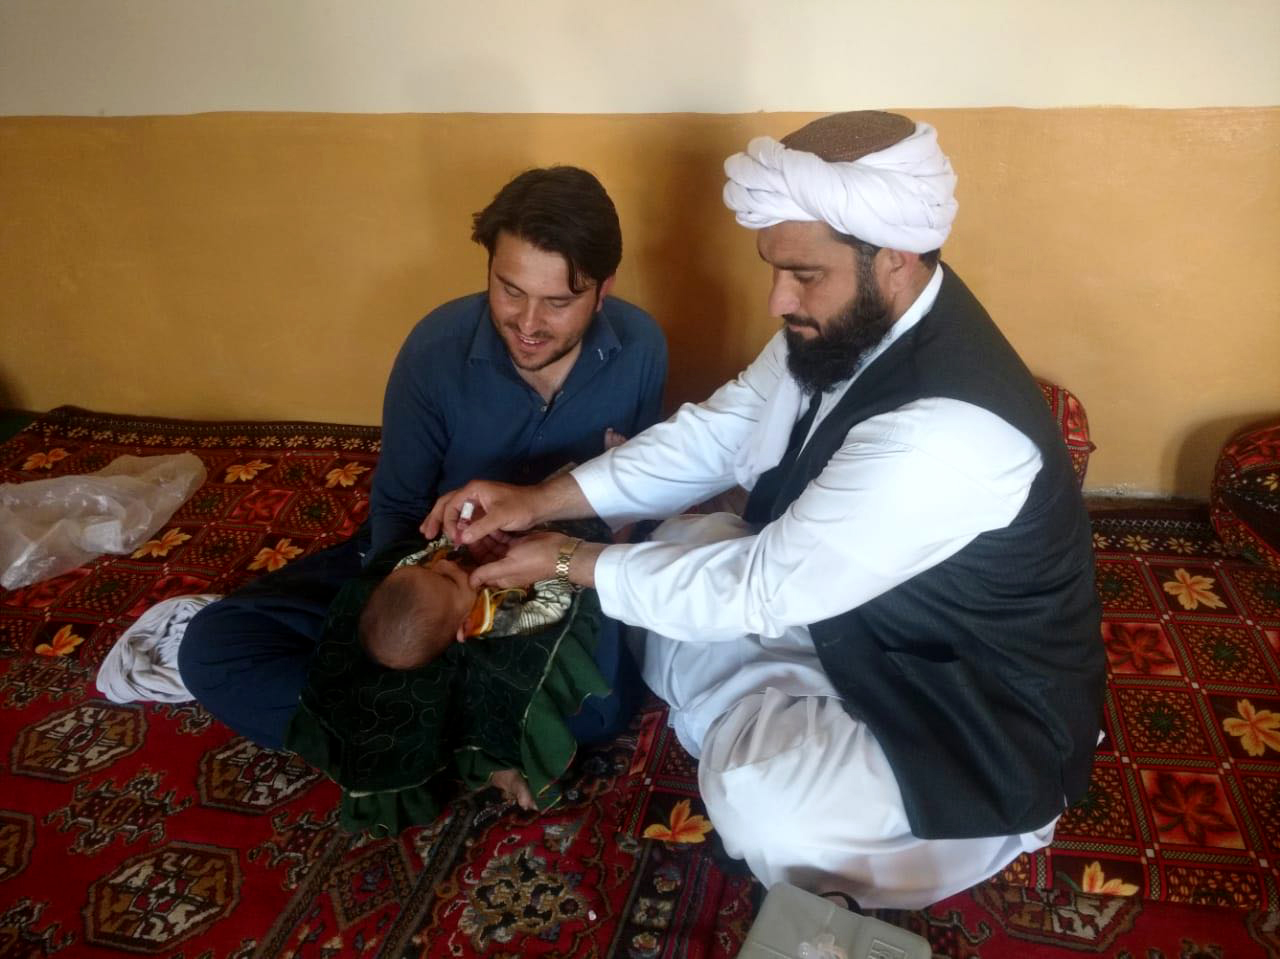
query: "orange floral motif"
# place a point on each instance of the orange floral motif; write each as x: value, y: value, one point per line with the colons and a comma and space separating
x: 1094, y: 880
x: 63, y: 642
x: 1193, y: 591
x: 162, y: 545
x: 1190, y: 805
x: 683, y: 827
x: 45, y: 461
x: 245, y: 471
x: 1137, y: 646
x: 1257, y: 728
x: 344, y: 475
x: 272, y: 558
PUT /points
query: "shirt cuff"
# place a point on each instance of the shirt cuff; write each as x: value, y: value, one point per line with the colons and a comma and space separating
x: 606, y: 580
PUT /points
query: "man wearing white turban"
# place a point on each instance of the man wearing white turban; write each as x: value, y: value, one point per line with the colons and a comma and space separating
x: 888, y: 666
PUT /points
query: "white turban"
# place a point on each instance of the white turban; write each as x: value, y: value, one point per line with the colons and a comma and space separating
x: 901, y: 197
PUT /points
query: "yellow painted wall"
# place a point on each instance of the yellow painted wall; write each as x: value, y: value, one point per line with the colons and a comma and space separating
x: 268, y: 265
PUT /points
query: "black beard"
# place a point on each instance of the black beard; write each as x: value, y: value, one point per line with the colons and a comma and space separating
x: 822, y: 361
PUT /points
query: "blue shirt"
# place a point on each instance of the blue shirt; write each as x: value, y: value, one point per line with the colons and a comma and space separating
x: 456, y: 409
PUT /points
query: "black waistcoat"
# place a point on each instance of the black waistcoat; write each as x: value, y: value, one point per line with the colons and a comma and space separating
x: 981, y: 677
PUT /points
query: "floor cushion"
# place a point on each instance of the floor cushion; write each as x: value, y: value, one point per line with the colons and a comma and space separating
x: 1244, y: 497
x: 1069, y: 412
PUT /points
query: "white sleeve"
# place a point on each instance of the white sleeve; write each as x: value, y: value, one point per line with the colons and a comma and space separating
x: 687, y: 459
x: 906, y: 490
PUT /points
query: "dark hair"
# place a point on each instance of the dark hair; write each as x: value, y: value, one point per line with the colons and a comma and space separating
x: 398, y: 628
x: 559, y: 209
x: 867, y: 250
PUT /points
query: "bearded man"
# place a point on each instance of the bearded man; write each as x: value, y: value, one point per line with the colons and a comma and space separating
x: 889, y: 668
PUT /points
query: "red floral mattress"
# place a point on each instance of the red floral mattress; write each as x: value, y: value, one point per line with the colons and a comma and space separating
x: 151, y: 829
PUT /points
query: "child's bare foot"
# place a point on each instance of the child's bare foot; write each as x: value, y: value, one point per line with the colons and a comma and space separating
x: 513, y: 788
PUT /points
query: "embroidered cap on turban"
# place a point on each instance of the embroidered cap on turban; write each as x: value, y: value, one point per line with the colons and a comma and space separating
x: 876, y: 176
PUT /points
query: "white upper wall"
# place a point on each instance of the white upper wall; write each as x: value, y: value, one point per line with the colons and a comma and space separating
x: 113, y: 57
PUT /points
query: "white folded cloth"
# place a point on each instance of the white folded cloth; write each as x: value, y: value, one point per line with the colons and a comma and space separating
x: 143, y: 664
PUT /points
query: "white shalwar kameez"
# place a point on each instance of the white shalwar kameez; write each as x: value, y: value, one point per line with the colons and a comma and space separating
x: 793, y: 784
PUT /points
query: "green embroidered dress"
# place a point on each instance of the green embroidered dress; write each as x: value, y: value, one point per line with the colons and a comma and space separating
x: 400, y: 743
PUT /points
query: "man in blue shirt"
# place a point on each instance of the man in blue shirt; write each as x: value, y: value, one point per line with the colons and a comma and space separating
x: 543, y: 370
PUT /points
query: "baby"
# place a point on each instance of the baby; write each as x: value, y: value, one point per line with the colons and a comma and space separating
x: 418, y: 610
x: 427, y: 603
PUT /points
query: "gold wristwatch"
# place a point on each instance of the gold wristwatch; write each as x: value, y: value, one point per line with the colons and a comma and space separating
x: 563, y: 557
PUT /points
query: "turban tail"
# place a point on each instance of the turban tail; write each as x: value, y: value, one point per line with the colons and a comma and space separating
x: 901, y: 197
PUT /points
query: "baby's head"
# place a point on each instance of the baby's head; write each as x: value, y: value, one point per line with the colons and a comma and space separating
x: 415, y: 613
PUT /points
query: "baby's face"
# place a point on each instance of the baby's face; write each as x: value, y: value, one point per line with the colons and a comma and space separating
x: 450, y: 587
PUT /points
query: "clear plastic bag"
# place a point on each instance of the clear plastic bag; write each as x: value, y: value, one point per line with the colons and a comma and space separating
x: 50, y: 526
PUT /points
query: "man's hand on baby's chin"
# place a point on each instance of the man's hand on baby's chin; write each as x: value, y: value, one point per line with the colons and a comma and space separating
x: 528, y: 558
x: 490, y: 549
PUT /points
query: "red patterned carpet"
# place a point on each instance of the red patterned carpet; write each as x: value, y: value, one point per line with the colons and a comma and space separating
x: 151, y: 830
